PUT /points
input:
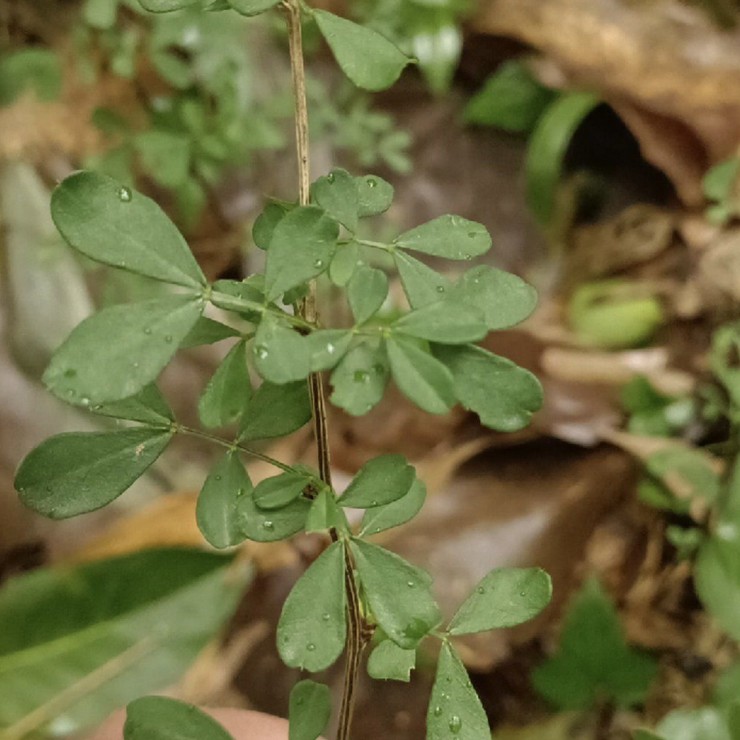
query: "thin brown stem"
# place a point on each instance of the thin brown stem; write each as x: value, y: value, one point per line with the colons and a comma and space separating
x: 308, y: 311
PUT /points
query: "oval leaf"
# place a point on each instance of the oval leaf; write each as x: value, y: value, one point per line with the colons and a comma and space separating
x: 398, y: 594
x: 454, y: 707
x: 115, y: 353
x: 228, y: 391
x: 452, y: 237
x: 271, y: 525
x: 312, y: 629
x: 503, y: 394
x: 275, y: 410
x: 337, y: 194
x: 281, y: 354
x: 148, y: 407
x: 310, y: 709
x: 326, y: 347
x: 503, y: 598
x: 421, y: 284
x: 75, y: 473
x: 216, y: 511
x: 252, y: 7
x: 390, y: 662
x: 421, y: 378
x: 280, y: 490
x: 380, y: 481
x: 446, y: 321
x: 162, y: 718
x: 374, y: 194
x: 366, y: 292
x: 360, y: 379
x: 380, y: 518
x: 116, y: 226
x: 302, y: 245
x: 370, y: 60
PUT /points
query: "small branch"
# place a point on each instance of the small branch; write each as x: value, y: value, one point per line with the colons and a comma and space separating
x: 308, y: 311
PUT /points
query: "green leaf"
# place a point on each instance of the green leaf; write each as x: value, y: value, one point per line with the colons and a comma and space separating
x: 271, y: 525
x: 374, y: 195
x: 505, y: 299
x: 244, y: 297
x: 345, y: 262
x: 264, y: 226
x: 452, y: 237
x: 325, y: 513
x: 228, y: 391
x: 162, y: 718
x: 281, y: 490
x: 148, y: 407
x: 78, y: 472
x: 717, y: 576
x: 454, y: 707
x: 275, y: 410
x: 216, y: 511
x: 310, y: 709
x: 687, y: 473
x: 390, y: 662
x: 719, y: 180
x: 446, y: 321
x: 312, y: 628
x: 421, y: 284
x: 398, y: 593
x: 510, y: 99
x: 366, y: 292
x: 547, y: 148
x: 420, y: 377
x: 367, y: 58
x: 337, y: 194
x: 207, y: 331
x: 360, y: 379
x: 165, y: 6
x: 100, y: 14
x: 115, y: 353
x: 503, y: 598
x: 593, y: 662
x: 138, y: 621
x: 281, y: 355
x: 326, y: 347
x: 722, y: 360
x: 380, y: 481
x: 36, y: 68
x: 704, y: 723
x: 301, y: 248
x: 398, y: 512
x: 503, y: 394
x: 252, y: 7
x: 112, y: 224
x: 165, y: 156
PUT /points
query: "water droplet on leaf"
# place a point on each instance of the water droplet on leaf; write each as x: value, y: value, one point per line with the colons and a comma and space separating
x: 262, y: 352
x: 440, y: 289
x: 318, y: 264
x: 310, y: 647
x: 361, y: 376
x: 480, y: 590
x: 437, y: 711
x: 455, y: 724
x: 372, y: 183
x: 268, y: 525
x: 330, y: 348
x: 125, y: 195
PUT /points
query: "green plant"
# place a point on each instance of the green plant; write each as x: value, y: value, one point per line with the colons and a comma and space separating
x: 355, y: 591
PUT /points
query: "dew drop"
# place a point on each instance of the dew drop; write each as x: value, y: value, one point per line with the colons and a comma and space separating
x: 455, y: 724
x: 330, y: 177
x: 410, y: 584
x: 440, y: 289
x: 168, y: 338
x: 124, y: 194
x: 268, y: 525
x: 310, y: 647
x: 330, y: 348
x: 85, y: 401
x: 372, y: 182
x: 147, y: 331
x: 480, y: 590
x: 326, y: 616
x: 361, y: 376
x: 468, y: 257
x: 318, y: 264
x: 522, y: 594
x: 71, y: 393
x: 262, y: 352
x: 135, y: 365
x: 217, y: 477
x: 437, y: 711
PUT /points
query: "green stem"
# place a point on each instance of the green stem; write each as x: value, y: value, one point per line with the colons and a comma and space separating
x: 235, y: 446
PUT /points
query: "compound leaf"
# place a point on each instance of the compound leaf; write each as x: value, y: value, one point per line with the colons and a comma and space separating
x: 281, y: 355
x: 78, y: 472
x: 380, y: 518
x: 360, y: 379
x: 312, y: 628
x: 337, y: 194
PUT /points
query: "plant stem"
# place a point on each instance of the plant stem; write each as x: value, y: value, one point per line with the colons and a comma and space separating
x: 308, y: 311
